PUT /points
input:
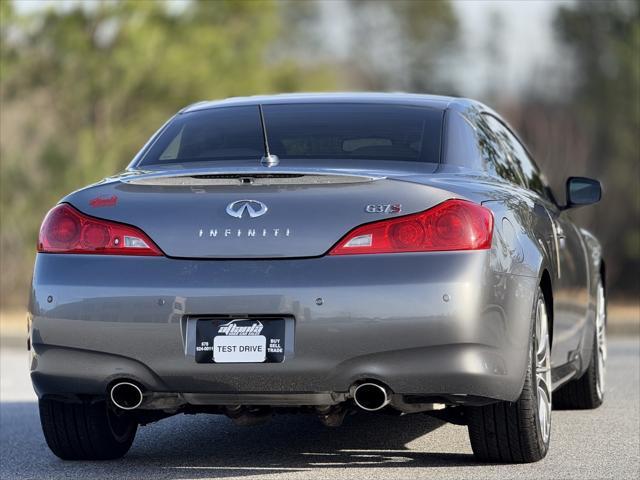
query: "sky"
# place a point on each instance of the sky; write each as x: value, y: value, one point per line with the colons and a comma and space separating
x: 526, y: 37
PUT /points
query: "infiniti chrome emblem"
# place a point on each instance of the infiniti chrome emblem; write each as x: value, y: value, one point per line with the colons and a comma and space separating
x: 253, y: 207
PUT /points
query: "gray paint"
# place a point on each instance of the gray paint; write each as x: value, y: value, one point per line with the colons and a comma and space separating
x: 382, y: 317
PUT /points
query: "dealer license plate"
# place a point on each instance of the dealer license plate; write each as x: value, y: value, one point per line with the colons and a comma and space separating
x: 240, y: 340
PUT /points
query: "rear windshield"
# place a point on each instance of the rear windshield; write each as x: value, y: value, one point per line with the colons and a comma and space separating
x: 302, y: 131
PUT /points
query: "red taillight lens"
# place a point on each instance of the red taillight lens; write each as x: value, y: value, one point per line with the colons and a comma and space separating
x: 66, y: 230
x: 451, y: 225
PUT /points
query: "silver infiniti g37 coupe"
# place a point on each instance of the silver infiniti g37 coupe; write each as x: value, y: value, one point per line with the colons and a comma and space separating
x: 320, y: 253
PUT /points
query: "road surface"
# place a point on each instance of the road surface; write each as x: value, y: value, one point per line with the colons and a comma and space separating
x: 604, y: 443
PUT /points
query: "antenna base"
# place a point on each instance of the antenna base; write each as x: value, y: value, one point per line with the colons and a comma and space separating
x: 269, y: 161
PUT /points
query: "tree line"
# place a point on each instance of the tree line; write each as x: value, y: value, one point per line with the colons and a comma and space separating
x: 82, y: 87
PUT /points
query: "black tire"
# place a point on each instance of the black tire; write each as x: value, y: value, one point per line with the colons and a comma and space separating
x: 511, y: 432
x: 583, y: 393
x: 86, y: 431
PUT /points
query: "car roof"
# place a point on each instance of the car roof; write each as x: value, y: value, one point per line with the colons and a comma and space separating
x: 432, y: 101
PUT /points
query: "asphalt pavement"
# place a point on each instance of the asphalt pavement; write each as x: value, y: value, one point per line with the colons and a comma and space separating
x: 603, y: 443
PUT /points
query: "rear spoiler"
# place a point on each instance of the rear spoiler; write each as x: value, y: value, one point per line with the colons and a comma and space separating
x: 248, y: 176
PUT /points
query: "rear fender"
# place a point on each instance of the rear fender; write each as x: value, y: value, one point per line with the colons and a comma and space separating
x: 519, y: 251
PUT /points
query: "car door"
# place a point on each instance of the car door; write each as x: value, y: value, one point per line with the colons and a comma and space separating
x: 570, y: 287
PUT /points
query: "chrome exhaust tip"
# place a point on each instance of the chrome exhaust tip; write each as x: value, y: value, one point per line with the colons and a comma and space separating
x: 126, y: 395
x: 371, y: 396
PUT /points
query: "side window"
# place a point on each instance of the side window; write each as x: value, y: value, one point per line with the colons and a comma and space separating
x: 530, y: 171
x: 492, y: 147
x: 522, y: 162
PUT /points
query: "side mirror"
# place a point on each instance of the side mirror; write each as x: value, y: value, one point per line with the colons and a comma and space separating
x: 582, y: 191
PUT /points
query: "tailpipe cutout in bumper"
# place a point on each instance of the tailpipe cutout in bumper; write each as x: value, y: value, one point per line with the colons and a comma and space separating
x: 371, y: 396
x: 126, y: 395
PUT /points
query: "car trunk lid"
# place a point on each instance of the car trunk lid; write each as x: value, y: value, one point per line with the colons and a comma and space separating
x: 249, y: 215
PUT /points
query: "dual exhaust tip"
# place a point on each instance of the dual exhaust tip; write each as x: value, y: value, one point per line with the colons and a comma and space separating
x: 126, y: 395
x: 368, y: 396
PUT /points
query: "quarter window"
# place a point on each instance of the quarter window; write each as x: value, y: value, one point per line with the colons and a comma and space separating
x: 482, y: 142
x: 490, y: 134
x: 520, y: 159
x: 524, y: 163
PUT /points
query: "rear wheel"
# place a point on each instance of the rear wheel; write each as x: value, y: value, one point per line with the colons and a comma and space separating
x: 519, y: 432
x: 86, y: 431
x: 587, y: 392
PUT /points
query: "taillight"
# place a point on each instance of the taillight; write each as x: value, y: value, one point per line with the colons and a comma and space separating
x: 66, y: 230
x: 451, y: 225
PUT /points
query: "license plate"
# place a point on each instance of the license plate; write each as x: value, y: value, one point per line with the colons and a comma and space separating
x: 240, y: 340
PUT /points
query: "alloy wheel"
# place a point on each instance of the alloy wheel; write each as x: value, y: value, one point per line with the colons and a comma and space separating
x: 543, y: 370
x: 601, y: 340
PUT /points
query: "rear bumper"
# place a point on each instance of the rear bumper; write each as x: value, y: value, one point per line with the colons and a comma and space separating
x: 383, y: 317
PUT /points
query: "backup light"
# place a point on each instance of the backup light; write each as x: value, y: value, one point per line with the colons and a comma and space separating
x: 451, y: 225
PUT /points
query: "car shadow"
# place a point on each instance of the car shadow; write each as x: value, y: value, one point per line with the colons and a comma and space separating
x: 212, y: 446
